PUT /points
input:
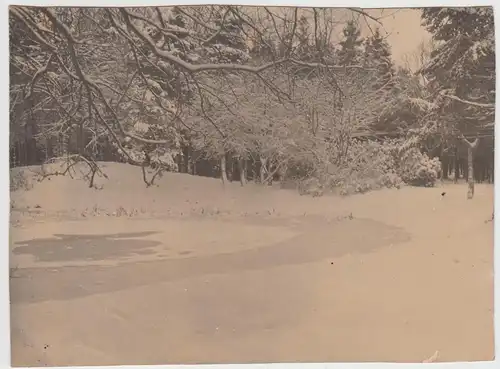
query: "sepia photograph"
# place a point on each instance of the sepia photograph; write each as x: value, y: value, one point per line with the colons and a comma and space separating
x: 222, y: 184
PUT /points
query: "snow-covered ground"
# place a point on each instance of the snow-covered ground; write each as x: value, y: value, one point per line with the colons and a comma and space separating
x: 193, y: 272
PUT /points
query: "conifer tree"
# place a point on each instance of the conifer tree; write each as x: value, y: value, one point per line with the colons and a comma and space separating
x: 351, y: 46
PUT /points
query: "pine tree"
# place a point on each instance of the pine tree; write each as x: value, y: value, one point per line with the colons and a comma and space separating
x: 463, y: 63
x: 462, y: 66
x: 462, y: 71
x: 350, y: 48
x: 229, y: 45
x: 378, y: 56
x: 377, y: 59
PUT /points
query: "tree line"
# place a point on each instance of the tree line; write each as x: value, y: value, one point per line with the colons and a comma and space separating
x: 252, y: 94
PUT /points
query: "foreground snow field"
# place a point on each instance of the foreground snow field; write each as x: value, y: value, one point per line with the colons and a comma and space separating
x: 191, y: 272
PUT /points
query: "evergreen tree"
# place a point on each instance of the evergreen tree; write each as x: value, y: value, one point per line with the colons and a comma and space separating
x: 229, y: 45
x: 350, y: 47
x: 377, y: 59
x: 462, y: 72
x: 463, y: 63
x: 378, y: 56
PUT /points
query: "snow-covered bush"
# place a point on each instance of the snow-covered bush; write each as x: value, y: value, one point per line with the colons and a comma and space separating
x: 311, y: 186
x: 19, y: 180
x: 417, y: 169
x: 366, y: 166
x: 369, y: 166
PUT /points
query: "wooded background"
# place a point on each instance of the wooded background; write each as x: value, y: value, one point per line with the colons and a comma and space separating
x: 253, y: 94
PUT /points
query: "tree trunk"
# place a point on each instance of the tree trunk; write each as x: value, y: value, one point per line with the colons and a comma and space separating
x: 178, y: 161
x: 263, y: 169
x: 471, y: 146
x: 479, y: 172
x: 188, y: 164
x: 470, y: 173
x: 444, y: 163
x: 186, y: 158
x: 223, y: 169
x: 271, y: 171
x: 282, y: 172
x: 230, y: 169
x: 457, y: 165
x: 80, y: 141
x: 465, y: 169
x: 444, y: 167
x: 242, y: 168
x: 253, y: 165
x: 194, y: 165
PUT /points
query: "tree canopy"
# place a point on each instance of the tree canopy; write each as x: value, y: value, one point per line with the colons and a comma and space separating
x: 156, y: 86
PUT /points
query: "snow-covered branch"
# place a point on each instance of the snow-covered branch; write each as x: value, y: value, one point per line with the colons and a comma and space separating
x: 468, y: 102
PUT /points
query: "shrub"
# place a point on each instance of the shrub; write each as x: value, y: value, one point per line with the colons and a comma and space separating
x: 417, y: 169
x: 368, y: 166
x: 311, y: 186
x: 19, y: 180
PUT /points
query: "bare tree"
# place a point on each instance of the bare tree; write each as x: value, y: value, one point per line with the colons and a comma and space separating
x: 130, y: 78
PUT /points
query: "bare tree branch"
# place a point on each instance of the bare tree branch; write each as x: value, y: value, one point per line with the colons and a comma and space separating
x: 468, y: 102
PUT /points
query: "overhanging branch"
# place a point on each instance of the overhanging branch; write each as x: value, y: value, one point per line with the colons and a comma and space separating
x: 468, y: 102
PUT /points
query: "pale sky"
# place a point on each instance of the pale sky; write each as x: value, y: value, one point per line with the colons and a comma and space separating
x: 404, y: 30
x: 402, y: 27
